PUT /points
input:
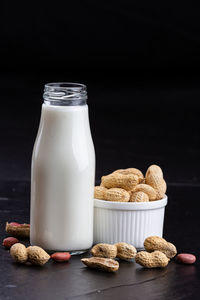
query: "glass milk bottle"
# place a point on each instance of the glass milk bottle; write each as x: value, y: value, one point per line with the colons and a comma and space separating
x: 63, y: 170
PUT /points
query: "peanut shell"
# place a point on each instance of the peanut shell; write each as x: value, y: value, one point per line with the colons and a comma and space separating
x: 139, y: 197
x: 19, y: 253
x: 104, y: 250
x: 133, y: 171
x: 23, y: 230
x: 155, y: 259
x: 158, y: 184
x: 154, y: 169
x: 117, y: 195
x: 99, y: 192
x: 153, y: 243
x: 147, y: 189
x: 104, y: 264
x: 125, y: 251
x: 117, y: 180
x: 37, y: 255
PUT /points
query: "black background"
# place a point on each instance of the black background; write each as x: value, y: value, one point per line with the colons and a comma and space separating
x: 141, y: 63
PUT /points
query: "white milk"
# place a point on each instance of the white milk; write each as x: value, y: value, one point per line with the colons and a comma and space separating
x: 63, y: 168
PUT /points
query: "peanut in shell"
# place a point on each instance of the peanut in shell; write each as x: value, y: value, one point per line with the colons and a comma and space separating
x: 155, y: 259
x: 158, y: 184
x: 117, y: 195
x: 154, y: 169
x: 139, y: 197
x: 125, y: 251
x: 99, y: 192
x: 37, y: 256
x: 153, y: 243
x: 117, y: 180
x: 19, y: 253
x: 104, y: 250
x: 147, y: 189
x: 133, y: 171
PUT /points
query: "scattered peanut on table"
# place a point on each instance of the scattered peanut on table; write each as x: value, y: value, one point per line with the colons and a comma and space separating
x: 61, y: 256
x: 33, y: 254
x: 154, y: 243
x: 156, y: 259
x: 104, y: 250
x: 37, y: 256
x: 104, y: 264
x: 18, y: 230
x: 125, y: 251
x: 186, y: 258
x: 19, y: 253
x: 9, y: 241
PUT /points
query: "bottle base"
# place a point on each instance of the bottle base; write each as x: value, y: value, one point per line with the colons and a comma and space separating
x: 78, y: 252
x: 73, y: 252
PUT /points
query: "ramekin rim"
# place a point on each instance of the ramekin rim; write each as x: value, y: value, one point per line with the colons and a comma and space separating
x: 131, y: 205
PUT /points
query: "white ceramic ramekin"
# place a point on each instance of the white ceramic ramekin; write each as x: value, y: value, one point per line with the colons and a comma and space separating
x: 129, y: 222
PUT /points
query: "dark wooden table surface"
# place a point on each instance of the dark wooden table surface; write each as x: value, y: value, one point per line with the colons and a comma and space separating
x: 125, y: 135
x: 73, y: 280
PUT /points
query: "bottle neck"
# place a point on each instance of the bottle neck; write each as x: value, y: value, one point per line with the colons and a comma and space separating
x: 65, y: 94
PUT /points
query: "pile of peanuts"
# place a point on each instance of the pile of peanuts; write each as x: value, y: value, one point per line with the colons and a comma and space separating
x: 130, y: 185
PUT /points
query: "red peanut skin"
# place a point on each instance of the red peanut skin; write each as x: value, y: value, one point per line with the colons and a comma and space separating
x: 8, y: 242
x: 61, y: 256
x: 186, y: 258
x: 14, y: 224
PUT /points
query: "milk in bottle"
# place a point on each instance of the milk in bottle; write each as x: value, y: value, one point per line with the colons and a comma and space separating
x: 63, y: 170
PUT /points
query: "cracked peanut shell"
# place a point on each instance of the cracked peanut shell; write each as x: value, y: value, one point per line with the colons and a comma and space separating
x: 155, y: 259
x: 117, y: 180
x: 139, y: 197
x: 125, y: 251
x: 153, y: 243
x: 22, y: 230
x: 104, y: 264
x: 147, y: 189
x: 104, y: 250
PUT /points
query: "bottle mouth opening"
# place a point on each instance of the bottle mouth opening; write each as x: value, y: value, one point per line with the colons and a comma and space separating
x: 65, y: 93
